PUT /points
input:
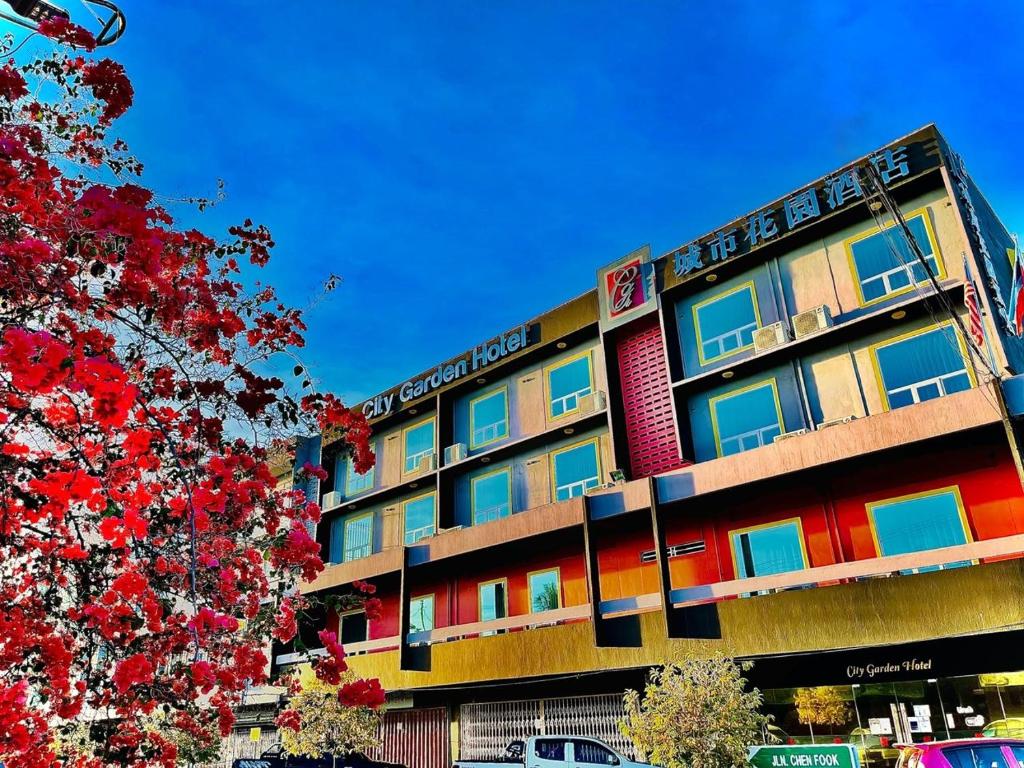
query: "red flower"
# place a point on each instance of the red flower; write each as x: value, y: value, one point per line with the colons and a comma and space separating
x: 290, y: 719
x: 362, y: 693
x: 133, y: 670
x: 63, y: 31
x: 12, y: 84
x: 109, y: 84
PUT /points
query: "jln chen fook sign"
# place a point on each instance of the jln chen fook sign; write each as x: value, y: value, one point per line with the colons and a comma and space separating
x: 805, y: 756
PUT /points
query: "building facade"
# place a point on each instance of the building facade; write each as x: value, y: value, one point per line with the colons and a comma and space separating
x: 792, y: 440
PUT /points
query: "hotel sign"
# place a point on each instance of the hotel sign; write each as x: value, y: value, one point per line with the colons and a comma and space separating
x: 626, y: 288
x: 446, y: 373
x: 785, y: 216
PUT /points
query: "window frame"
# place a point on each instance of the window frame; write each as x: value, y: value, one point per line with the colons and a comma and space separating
x: 761, y: 526
x: 503, y: 389
x: 480, y: 597
x: 549, y: 369
x: 433, y: 612
x: 344, y: 535
x: 432, y: 419
x: 405, y: 530
x: 596, y: 441
x: 925, y: 213
x: 870, y: 507
x: 749, y: 285
x: 350, y: 473
x: 876, y: 364
x: 713, y: 402
x: 557, y: 570
x: 507, y: 469
x: 353, y: 612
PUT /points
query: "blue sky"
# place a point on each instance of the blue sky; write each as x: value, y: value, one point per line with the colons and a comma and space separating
x: 465, y: 166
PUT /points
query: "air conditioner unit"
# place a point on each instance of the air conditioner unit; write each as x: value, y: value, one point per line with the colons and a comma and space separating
x: 787, y: 435
x: 454, y: 453
x: 427, y: 463
x: 594, y: 402
x: 812, y: 321
x: 833, y: 422
x: 770, y: 336
x: 332, y: 500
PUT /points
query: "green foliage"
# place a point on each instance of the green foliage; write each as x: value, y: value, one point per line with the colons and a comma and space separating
x: 695, y: 713
x: 821, y: 706
x: 328, y: 726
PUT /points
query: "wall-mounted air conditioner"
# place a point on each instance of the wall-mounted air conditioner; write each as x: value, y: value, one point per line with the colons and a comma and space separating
x: 834, y: 422
x: 331, y: 500
x: 427, y: 463
x: 454, y: 453
x: 594, y: 402
x: 787, y: 435
x: 770, y: 336
x: 812, y: 321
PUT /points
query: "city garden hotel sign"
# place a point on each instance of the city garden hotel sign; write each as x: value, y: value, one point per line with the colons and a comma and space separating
x: 793, y: 212
x: 471, y: 362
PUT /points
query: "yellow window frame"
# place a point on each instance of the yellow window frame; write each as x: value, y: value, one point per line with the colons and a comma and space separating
x: 762, y: 526
x: 714, y: 401
x: 848, y: 244
x: 548, y: 370
x: 557, y: 570
x: 507, y: 470
x: 406, y: 431
x: 954, y: 489
x: 480, y: 595
x: 876, y: 366
x: 344, y: 537
x: 472, y: 421
x: 407, y: 502
x: 747, y: 286
x: 551, y: 462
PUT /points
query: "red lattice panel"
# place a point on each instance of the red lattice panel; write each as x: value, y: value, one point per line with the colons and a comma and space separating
x: 647, y: 401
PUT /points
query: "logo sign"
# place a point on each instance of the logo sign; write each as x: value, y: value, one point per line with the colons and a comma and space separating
x: 626, y: 288
x: 886, y: 669
x: 805, y: 756
x: 469, y: 363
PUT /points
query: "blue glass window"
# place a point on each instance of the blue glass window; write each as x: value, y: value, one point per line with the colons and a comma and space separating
x: 488, y: 418
x: 746, y: 419
x: 491, y: 496
x: 545, y: 591
x: 421, y: 614
x: 493, y: 601
x: 762, y: 551
x: 922, y: 367
x: 418, y: 444
x: 351, y: 538
x: 419, y: 518
x: 357, y: 483
x: 725, y: 324
x: 884, y: 264
x: 567, y: 383
x: 920, y: 522
x: 575, y: 470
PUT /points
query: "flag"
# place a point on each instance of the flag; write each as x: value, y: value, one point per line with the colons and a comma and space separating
x: 1017, y: 297
x: 974, y: 325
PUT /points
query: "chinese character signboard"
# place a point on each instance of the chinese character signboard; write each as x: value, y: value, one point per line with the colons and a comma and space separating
x: 626, y: 288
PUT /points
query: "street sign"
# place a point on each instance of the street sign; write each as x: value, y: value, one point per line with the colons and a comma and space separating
x: 805, y: 756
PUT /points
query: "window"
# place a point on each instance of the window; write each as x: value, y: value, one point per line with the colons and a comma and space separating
x: 488, y: 418
x: 766, y: 549
x: 921, y: 366
x: 592, y: 753
x: 568, y: 381
x: 747, y: 418
x: 493, y: 601
x: 919, y: 522
x: 419, y: 518
x: 352, y: 627
x: 975, y: 757
x: 550, y: 749
x: 355, y: 482
x: 417, y: 444
x: 725, y: 324
x: 491, y: 496
x: 421, y: 614
x: 883, y: 263
x: 357, y: 537
x: 545, y: 591
x: 575, y: 470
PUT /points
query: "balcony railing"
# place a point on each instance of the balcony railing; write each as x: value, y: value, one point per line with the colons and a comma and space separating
x: 529, y: 620
x: 825, y: 575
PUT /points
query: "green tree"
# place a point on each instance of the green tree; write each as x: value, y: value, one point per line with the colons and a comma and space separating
x: 326, y: 725
x: 695, y: 713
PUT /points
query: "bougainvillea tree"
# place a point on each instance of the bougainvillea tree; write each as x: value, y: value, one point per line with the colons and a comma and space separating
x: 147, y: 551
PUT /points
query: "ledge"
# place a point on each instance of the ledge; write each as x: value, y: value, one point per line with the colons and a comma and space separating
x: 377, y: 564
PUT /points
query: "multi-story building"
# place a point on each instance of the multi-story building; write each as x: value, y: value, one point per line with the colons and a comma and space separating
x: 791, y: 440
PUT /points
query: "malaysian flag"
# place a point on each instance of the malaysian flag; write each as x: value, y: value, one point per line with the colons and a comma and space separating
x: 1016, y: 290
x: 974, y: 325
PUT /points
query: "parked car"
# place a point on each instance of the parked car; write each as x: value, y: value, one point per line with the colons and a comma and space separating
x: 556, y: 752
x: 276, y: 757
x: 1010, y: 728
x: 963, y: 753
